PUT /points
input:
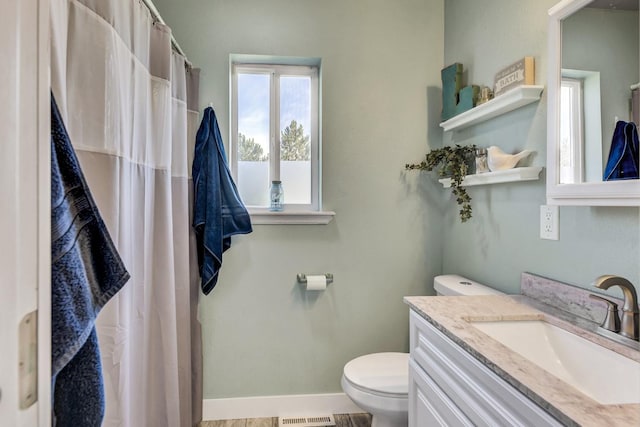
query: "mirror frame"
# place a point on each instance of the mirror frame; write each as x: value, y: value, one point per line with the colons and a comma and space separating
x: 609, y: 193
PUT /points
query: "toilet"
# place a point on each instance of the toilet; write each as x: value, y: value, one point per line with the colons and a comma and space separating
x: 379, y: 383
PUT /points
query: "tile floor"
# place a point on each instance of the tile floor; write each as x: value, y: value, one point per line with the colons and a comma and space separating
x: 342, y: 420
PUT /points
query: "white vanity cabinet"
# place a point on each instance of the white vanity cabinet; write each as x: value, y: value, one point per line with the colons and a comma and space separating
x: 449, y: 387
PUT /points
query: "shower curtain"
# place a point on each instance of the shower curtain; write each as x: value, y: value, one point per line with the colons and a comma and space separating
x: 130, y: 105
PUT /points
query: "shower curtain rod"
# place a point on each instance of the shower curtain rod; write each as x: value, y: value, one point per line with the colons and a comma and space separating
x: 156, y: 16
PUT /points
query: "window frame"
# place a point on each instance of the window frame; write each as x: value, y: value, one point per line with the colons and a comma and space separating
x: 275, y: 72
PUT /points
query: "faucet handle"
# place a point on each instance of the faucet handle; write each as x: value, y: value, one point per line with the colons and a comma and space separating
x: 611, y: 320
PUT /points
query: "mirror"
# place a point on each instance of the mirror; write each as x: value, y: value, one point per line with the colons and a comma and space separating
x: 594, y: 66
x: 599, y: 67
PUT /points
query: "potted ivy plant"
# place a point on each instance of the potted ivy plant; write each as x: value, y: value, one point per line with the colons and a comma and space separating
x: 453, y: 162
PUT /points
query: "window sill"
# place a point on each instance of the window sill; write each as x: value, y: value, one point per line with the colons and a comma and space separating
x: 265, y: 217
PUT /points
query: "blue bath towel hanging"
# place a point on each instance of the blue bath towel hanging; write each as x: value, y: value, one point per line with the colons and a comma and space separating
x: 86, y: 271
x: 218, y: 211
x: 623, y: 162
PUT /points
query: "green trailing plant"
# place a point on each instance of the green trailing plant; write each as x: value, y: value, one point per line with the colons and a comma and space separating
x: 453, y: 162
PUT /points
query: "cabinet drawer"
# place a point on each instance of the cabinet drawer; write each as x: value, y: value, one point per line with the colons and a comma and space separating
x: 429, y: 405
x: 484, y: 397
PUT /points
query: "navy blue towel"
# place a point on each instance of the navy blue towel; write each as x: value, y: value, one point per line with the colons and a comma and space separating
x: 86, y: 271
x: 623, y: 159
x: 218, y: 211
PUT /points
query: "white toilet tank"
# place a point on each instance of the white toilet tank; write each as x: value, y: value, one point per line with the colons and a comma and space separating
x: 452, y: 284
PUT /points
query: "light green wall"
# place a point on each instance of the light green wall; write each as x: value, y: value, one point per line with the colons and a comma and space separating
x: 381, y: 64
x: 501, y: 240
x: 393, y: 231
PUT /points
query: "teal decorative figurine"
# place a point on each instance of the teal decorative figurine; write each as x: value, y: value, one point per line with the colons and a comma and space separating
x: 455, y: 98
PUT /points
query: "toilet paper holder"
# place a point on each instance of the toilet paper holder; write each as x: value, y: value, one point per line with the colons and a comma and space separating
x: 302, y: 278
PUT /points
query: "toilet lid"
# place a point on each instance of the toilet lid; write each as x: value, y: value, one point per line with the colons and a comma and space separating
x: 382, y: 372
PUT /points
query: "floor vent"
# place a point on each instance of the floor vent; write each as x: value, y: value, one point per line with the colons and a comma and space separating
x: 321, y: 421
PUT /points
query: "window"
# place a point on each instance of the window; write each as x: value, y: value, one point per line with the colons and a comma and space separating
x: 275, y: 136
x: 571, y: 131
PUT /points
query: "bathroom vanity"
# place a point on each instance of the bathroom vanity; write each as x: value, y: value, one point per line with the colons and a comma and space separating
x: 460, y: 374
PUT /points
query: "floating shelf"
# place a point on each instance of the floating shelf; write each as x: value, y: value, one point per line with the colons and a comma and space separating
x: 530, y: 173
x: 511, y: 100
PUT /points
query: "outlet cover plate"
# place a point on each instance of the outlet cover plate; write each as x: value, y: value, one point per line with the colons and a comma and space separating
x: 549, y: 222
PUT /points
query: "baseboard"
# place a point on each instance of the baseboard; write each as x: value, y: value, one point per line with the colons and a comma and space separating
x: 277, y: 406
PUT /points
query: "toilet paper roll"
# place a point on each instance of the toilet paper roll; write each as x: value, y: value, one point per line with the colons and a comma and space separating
x: 316, y: 283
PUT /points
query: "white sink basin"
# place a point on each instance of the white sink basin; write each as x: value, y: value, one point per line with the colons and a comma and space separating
x: 602, y: 374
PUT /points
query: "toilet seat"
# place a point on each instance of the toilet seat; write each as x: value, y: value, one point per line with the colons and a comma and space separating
x: 382, y: 374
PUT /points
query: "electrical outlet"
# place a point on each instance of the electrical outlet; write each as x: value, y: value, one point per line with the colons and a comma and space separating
x: 549, y: 224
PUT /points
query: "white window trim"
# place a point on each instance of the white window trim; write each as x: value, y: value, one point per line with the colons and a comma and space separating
x: 292, y: 213
x: 267, y: 217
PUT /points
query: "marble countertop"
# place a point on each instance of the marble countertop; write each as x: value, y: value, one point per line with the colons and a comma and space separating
x: 451, y: 315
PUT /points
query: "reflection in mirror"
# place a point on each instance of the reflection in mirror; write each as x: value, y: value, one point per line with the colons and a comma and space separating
x: 600, y: 67
x: 580, y: 126
x: 571, y: 135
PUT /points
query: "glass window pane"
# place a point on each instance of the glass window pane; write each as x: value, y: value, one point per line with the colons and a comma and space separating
x: 570, y: 132
x: 566, y: 135
x: 253, y: 138
x: 295, y: 138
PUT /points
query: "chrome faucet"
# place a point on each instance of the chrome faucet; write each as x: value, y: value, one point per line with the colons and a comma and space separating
x: 630, y: 316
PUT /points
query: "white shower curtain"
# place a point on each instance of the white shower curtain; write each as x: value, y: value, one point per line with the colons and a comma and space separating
x: 130, y: 105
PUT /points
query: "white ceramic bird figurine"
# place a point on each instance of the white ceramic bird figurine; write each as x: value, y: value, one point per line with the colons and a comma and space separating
x: 498, y: 160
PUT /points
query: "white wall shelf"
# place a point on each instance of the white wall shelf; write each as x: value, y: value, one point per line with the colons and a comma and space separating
x: 509, y: 101
x: 530, y: 173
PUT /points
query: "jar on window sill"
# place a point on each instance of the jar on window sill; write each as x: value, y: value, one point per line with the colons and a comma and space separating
x: 276, y: 196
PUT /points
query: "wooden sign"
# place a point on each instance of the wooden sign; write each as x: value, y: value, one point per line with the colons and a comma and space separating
x: 517, y: 74
x: 455, y: 98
